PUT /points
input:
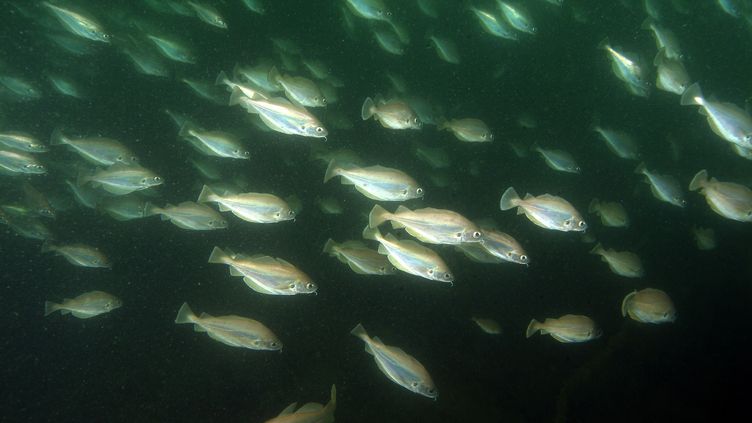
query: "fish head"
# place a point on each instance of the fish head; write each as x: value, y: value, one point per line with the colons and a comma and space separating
x: 285, y: 213
x: 594, y: 333
x: 413, y: 122
x: 314, y: 129
x: 151, y: 181
x: 747, y: 139
x: 319, y: 100
x: 472, y: 235
x: 518, y: 257
x: 412, y: 192
x: 241, y: 154
x: 387, y: 270
x: 35, y: 168
x: 219, y: 22
x: 679, y: 201
x: 269, y: 344
x: 487, y: 136
x: 574, y: 223
x: 440, y: 274
x: 113, y: 303
x: 46, y: 212
x: 127, y: 159
x: 425, y: 388
x: 303, y: 287
x: 38, y: 147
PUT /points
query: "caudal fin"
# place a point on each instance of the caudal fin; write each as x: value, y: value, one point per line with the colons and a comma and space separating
x: 604, y: 44
x: 206, y: 195
x: 692, y: 96
x: 598, y: 249
x: 57, y: 137
x: 641, y: 169
x: 594, y: 205
x: 359, y: 331
x: 329, y: 246
x: 185, y: 314
x: 625, y: 303
x: 219, y: 256
x: 331, y: 170
x: 50, y: 307
x: 699, y: 181
x: 509, y: 199
x: 332, y: 405
x: 366, y: 112
x: 532, y: 328
x: 377, y: 216
x: 151, y: 210
x: 371, y: 233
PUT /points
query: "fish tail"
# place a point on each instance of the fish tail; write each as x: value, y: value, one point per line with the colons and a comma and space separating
x: 48, y: 247
x: 692, y: 96
x: 647, y: 23
x: 360, y: 332
x: 366, y: 112
x: 509, y: 199
x: 625, y: 303
x: 206, y: 195
x: 332, y: 405
x: 151, y: 210
x: 329, y: 246
x: 660, y: 57
x: 598, y: 249
x: 236, y: 97
x: 331, y: 170
x: 594, y: 205
x: 273, y: 76
x: 50, y: 307
x: 377, y: 216
x: 185, y: 130
x: 532, y: 328
x: 185, y: 314
x: 699, y: 181
x: 604, y: 44
x: 218, y: 256
x: 371, y: 233
x: 222, y: 79
x: 57, y: 137
x: 641, y: 169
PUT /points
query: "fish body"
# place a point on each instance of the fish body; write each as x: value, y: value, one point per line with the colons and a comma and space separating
x: 214, y: 143
x: 728, y: 199
x: 558, y: 160
x: 727, y: 120
x: 79, y: 254
x: 96, y: 150
x: 468, y: 130
x: 623, y: 263
x: 279, y: 114
x: 664, y: 187
x: 433, y: 226
x: 16, y: 162
x: 172, y: 49
x: 120, y: 179
x: 79, y: 24
x: 671, y: 74
x: 649, y: 306
x: 232, y: 330
x: 376, y: 182
x: 546, y: 211
x: 21, y: 141
x: 612, y: 214
x: 570, y: 328
x: 411, y: 257
x: 392, y: 114
x: 517, y: 17
x: 311, y: 412
x: 85, y: 306
x: 189, y: 215
x: 299, y: 90
x: 251, y: 207
x: 361, y: 259
x: 619, y: 142
x: 208, y: 14
x: 488, y: 326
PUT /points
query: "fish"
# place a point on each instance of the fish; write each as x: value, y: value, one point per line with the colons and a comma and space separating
x: 15, y: 162
x: 214, y: 143
x: 99, y: 151
x: 86, y: 305
x: 121, y: 179
x: 619, y: 142
x: 27, y: 227
x: 311, y: 412
x: 429, y: 225
x: 558, y: 160
x: 232, y: 330
x: 84, y: 195
x: 66, y: 86
x: 502, y: 246
x: 172, y: 49
x: 265, y: 274
x: 37, y: 202
x: 664, y: 187
x: 546, y: 211
x: 79, y: 24
x: 370, y: 9
x: 123, y: 208
x: 569, y: 328
x: 188, y: 215
x: 279, y: 114
x: 301, y: 91
x: 727, y: 120
x: 612, y: 214
x: 468, y: 129
x: 704, y: 238
x: 256, y: 6
x: 21, y: 141
x: 392, y: 114
x: 208, y: 14
x: 623, y: 263
x: 206, y: 90
x: 21, y: 89
x: 79, y: 254
x: 728, y: 199
x: 665, y: 39
x: 361, y: 259
x: 376, y: 182
x: 649, y: 305
x: 330, y: 205
x: 250, y: 206
x: 399, y: 366
x: 436, y: 157
x: 446, y: 49
x: 628, y: 68
x: 488, y: 326
x: 517, y: 17
x: 494, y: 25
x: 411, y: 257
x: 671, y: 74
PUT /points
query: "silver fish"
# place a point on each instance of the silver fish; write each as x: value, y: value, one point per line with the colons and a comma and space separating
x: 623, y: 263
x: 411, y: 257
x: 15, y: 162
x: 79, y: 254
x: 79, y: 24
x: 124, y: 207
x: 612, y: 214
x: 649, y: 306
x: 558, y: 160
x: 434, y: 226
x: 376, y: 182
x: 361, y: 259
x: 517, y: 17
x: 214, y: 143
x: 665, y: 39
x: 494, y: 25
x: 627, y: 68
x: 189, y: 215
x: 568, y: 328
x: 251, y: 207
x: 619, y: 142
x: 546, y: 211
x: 21, y: 141
x: 664, y: 187
x: 311, y: 412
x: 370, y: 9
x: 468, y: 129
x: 671, y: 74
x: 208, y: 14
x: 704, y: 238
x: 488, y: 326
x: 728, y: 199
x: 21, y: 89
x: 299, y: 90
x: 120, y: 179
x: 172, y: 49
x: 727, y: 120
x: 232, y: 330
x: 392, y: 114
x: 86, y: 305
x: 96, y: 150
x: 446, y: 49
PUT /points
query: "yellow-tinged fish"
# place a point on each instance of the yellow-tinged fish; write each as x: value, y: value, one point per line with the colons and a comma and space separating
x: 704, y: 238
x: 434, y: 226
x: 623, y: 263
x: 188, y: 215
x: 361, y: 259
x: 86, y: 305
x: 311, y: 412
x: 250, y: 206
x: 649, y: 306
x: 488, y: 326
x: 568, y: 328
x: 232, y: 330
x: 399, y: 366
x: 546, y: 211
x: 611, y: 213
x: 392, y: 114
x: 79, y: 24
x: 411, y: 257
x: 376, y: 182
x: 298, y: 89
x: 468, y: 130
x: 729, y: 199
x: 79, y: 254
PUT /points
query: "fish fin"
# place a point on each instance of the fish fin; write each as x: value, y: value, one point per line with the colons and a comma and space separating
x: 151, y: 210
x: 274, y: 75
x: 64, y: 311
x: 222, y: 78
x: 80, y: 315
x: 185, y: 130
x: 692, y: 96
x: 382, y: 250
x: 57, y: 137
x: 218, y: 256
x: 206, y: 195
x: 377, y: 216
x: 660, y: 58
x: 331, y: 170
x: 255, y: 286
x: 237, y: 97
x: 594, y: 205
x: 641, y: 169
x: 391, y: 237
x: 699, y: 180
x: 310, y: 407
x: 371, y: 233
x: 329, y: 246
x: 598, y: 249
x: 332, y: 405
x: 604, y: 44
x: 199, y: 328
x: 288, y: 410
x: 397, y: 225
x: 367, y: 111
x: 359, y: 331
x: 509, y: 199
x: 185, y: 314
x: 235, y: 272
x: 625, y: 303
x: 50, y: 307
x: 47, y: 247
x: 533, y: 327
x: 647, y: 23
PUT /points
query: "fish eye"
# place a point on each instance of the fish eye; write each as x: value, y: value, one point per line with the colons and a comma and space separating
x: 382, y: 269
x: 323, y: 100
x: 119, y: 158
x: 134, y: 159
x: 430, y: 271
x: 589, y: 333
x: 107, y: 36
x: 389, y: 13
x: 523, y: 257
x: 447, y: 276
x: 143, y: 181
x: 419, y: 191
x: 290, y: 213
x: 273, y: 344
x: 581, y: 223
x: 212, y: 223
x: 414, y: 384
x: 665, y: 314
x: 292, y: 285
x: 459, y: 235
x: 748, y: 137
x: 310, y: 285
x: 319, y: 129
x: 277, y: 214
x: 477, y: 234
x: 157, y: 179
x: 415, y: 120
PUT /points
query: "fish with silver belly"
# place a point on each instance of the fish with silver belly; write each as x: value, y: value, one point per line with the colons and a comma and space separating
x: 376, y: 182
x: 121, y: 179
x: 391, y: 114
x: 250, y: 206
x: 547, y: 211
x: 664, y: 187
x: 468, y: 129
x: 99, y: 151
x: 85, y: 306
x: 16, y: 162
x: 612, y: 214
x: 558, y: 159
x: 728, y: 199
x: 311, y: 412
x: 78, y: 254
x: 361, y: 259
x: 728, y: 121
x: 623, y: 263
x: 433, y: 226
x: 78, y: 24
x: 188, y: 215
x: 21, y: 141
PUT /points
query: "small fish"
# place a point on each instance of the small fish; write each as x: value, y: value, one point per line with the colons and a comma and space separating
x: 727, y: 120
x: 265, y: 274
x: 546, y: 211
x: 399, y: 366
x: 172, y: 49
x: 37, y: 202
x: 612, y: 214
x: 124, y: 207
x: 434, y: 226
x: 493, y: 25
x: 436, y: 157
x: 21, y: 141
x: 214, y: 143
x: 251, y: 207
x: 627, y: 68
x: 728, y: 199
x: 649, y: 306
x: 96, y: 150
x: 664, y: 187
x: 299, y: 90
x: 619, y: 142
x: 65, y: 86
x: 468, y: 130
x: 517, y: 17
x: 568, y: 328
x: 671, y: 74
x: 79, y: 24
x: 392, y: 114
x: 86, y: 305
x: 558, y: 160
x: 14, y: 162
x: 256, y: 6
x: 361, y: 259
x: 488, y: 326
x: 370, y: 9
x: 704, y: 238
x: 446, y: 49
x: 208, y: 14
x: 232, y: 330
x: 623, y: 263
x: 79, y: 254
x: 20, y: 89
x: 665, y: 39
x: 330, y: 205
x: 311, y: 412
x: 84, y: 195
x: 189, y: 215
x: 120, y: 179
x: 376, y: 182
x: 503, y: 246
x: 26, y: 227
x: 206, y: 90
x: 411, y: 257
